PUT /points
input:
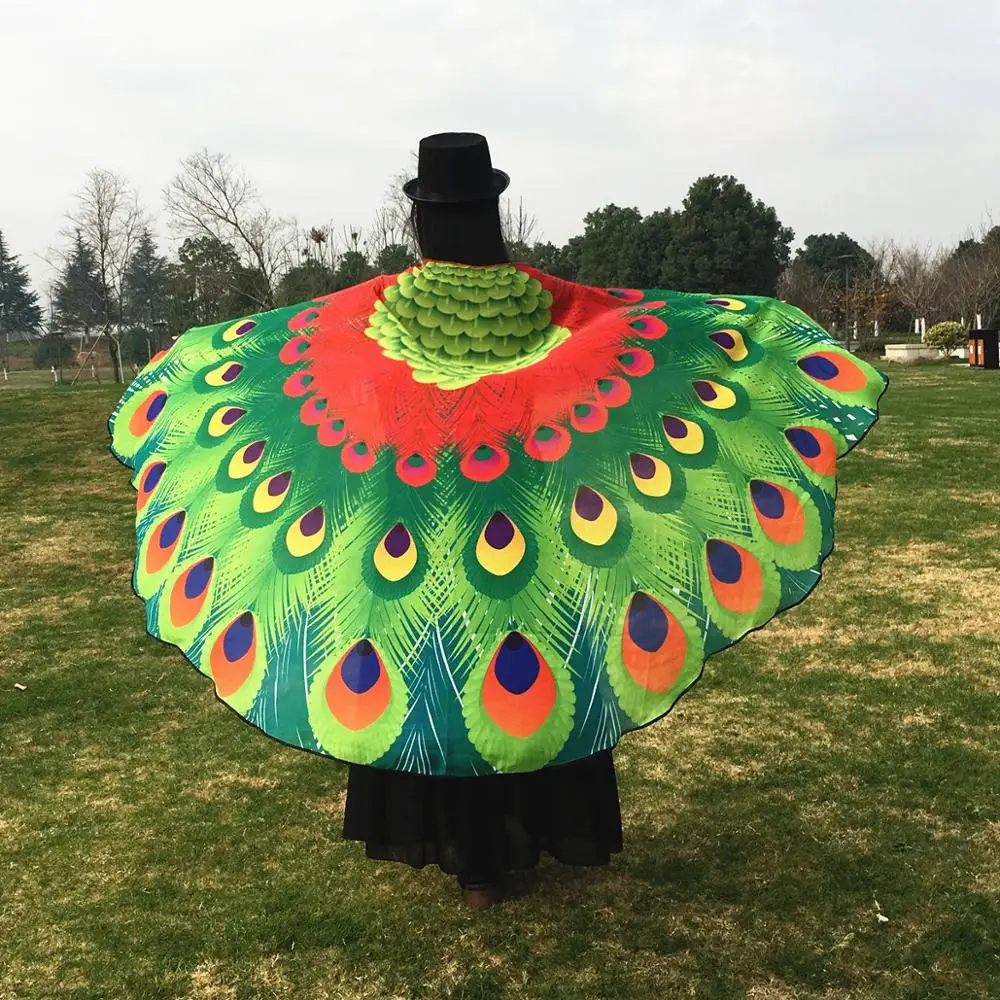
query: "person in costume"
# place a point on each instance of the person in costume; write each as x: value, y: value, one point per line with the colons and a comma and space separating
x: 464, y: 526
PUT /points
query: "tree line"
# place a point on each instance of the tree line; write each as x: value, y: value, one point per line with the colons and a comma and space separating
x: 116, y: 290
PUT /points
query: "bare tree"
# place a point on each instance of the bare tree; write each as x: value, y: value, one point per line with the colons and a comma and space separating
x: 971, y: 277
x: 517, y: 225
x: 210, y: 196
x: 916, y: 274
x: 394, y: 219
x: 109, y: 220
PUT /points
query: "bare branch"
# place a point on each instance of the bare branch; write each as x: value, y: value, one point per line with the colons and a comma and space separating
x: 109, y: 220
x: 209, y: 196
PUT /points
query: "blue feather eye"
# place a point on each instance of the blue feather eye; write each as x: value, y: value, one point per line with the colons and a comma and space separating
x: 148, y: 481
x: 519, y: 691
x: 233, y: 655
x: 163, y: 541
x: 654, y: 646
x: 358, y: 690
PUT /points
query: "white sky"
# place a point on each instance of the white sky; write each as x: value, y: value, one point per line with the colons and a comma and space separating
x: 878, y: 117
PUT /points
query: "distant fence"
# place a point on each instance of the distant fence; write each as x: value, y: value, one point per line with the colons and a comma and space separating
x: 23, y: 378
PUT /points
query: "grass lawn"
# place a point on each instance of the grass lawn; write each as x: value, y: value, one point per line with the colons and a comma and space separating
x: 840, y: 766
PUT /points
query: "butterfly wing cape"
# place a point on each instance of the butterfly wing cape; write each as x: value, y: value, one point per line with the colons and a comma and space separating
x: 466, y: 520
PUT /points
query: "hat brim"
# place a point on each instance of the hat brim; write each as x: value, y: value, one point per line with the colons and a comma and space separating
x: 415, y: 192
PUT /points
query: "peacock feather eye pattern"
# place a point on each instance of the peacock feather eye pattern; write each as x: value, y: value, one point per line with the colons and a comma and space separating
x: 593, y: 518
x: 270, y: 494
x: 225, y: 374
x: 396, y: 554
x: 735, y: 575
x: 501, y: 545
x: 416, y: 469
x: 149, y: 479
x: 357, y: 456
x: 654, y: 646
x: 224, y: 419
x: 306, y: 534
x: 236, y: 330
x: 648, y: 327
x: 685, y: 436
x: 461, y: 521
x: 779, y: 512
x: 714, y: 395
x: 732, y: 342
x: 519, y: 692
x: 190, y: 592
x: 548, y: 443
x: 651, y: 475
x: 233, y: 655
x: 246, y: 459
x: 834, y: 370
x: 163, y: 541
x: 484, y: 463
x: 358, y: 691
x: 145, y: 415
x: 636, y: 362
x: 815, y: 447
x: 588, y: 418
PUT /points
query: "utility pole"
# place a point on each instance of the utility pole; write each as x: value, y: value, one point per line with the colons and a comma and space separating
x: 847, y: 294
x: 3, y: 308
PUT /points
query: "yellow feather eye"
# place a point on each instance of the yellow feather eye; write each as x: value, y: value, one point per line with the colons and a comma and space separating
x: 733, y: 305
x: 593, y: 519
x: 501, y: 545
x: 271, y: 493
x: 396, y: 554
x: 684, y: 436
x: 651, y: 475
x: 227, y: 373
x: 715, y: 394
x: 237, y: 330
x: 224, y: 420
x: 732, y: 342
x: 307, y: 533
x: 246, y: 460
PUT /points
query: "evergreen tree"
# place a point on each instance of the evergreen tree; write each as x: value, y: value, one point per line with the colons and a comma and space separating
x: 607, y: 245
x: 835, y: 260
x: 19, y: 310
x: 563, y: 262
x: 53, y: 350
x: 725, y: 241
x: 642, y: 255
x: 394, y: 258
x: 78, y: 295
x: 352, y: 269
x: 305, y: 281
x: 146, y: 283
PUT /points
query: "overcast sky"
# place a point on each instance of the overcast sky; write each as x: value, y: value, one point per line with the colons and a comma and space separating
x: 878, y: 117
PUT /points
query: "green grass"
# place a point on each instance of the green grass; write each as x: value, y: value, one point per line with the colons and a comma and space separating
x: 154, y: 846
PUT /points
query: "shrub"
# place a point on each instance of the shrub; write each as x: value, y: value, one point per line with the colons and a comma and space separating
x: 52, y: 351
x: 947, y: 336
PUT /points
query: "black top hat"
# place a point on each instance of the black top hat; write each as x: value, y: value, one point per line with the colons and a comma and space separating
x: 454, y: 167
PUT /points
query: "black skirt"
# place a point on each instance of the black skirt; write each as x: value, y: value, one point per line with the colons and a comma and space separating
x: 477, y: 828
